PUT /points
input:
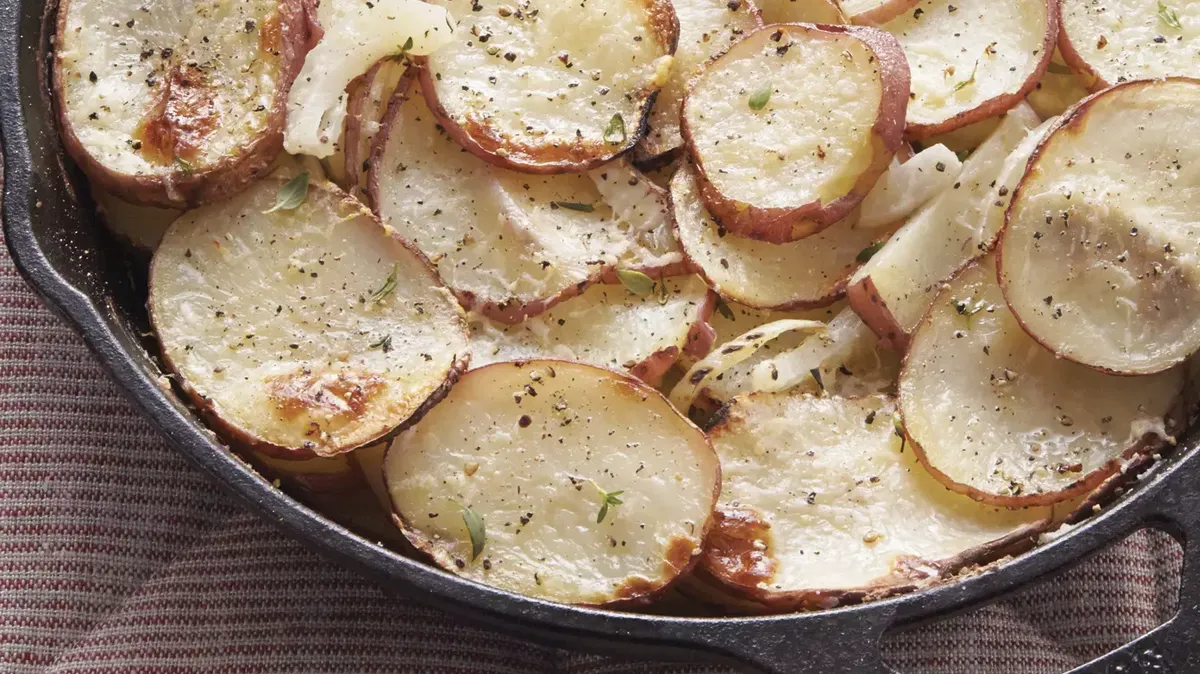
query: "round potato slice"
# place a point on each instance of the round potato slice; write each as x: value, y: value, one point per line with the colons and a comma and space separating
x: 1100, y: 254
x: 305, y: 331
x: 1123, y: 40
x: 175, y: 104
x: 802, y: 274
x: 141, y: 226
x: 591, y: 102
x: 790, y: 128
x: 556, y: 480
x: 335, y: 474
x: 972, y: 59
x: 995, y: 416
x: 706, y: 28
x: 822, y: 506
x: 510, y: 245
x: 608, y: 326
x: 875, y: 12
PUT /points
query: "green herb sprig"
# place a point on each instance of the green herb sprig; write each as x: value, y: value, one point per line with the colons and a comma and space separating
x: 475, y: 529
x: 607, y: 499
x: 291, y: 195
x: 635, y: 282
x: 759, y: 99
x: 1168, y: 16
x: 614, y: 133
x: 388, y: 287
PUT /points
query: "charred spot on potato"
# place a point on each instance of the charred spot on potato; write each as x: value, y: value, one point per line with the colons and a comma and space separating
x: 343, y: 396
x: 183, y: 118
x: 739, y: 547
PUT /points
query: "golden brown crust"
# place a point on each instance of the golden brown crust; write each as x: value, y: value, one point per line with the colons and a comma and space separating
x: 745, y: 571
x: 229, y: 175
x: 245, y: 439
x: 782, y: 225
x: 1005, y: 102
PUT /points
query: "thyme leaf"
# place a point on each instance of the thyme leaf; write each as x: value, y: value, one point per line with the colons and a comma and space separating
x: 291, y: 195
x: 389, y: 286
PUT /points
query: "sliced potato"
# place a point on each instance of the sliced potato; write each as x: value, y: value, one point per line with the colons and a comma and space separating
x: 706, y: 28
x: 847, y: 358
x: 556, y: 480
x: 822, y: 506
x: 790, y: 128
x: 803, y: 274
x: 972, y: 59
x: 304, y: 331
x: 1058, y: 90
x: 893, y: 290
x: 875, y: 12
x: 315, y: 475
x: 356, y: 35
x: 608, y: 326
x: 995, y: 416
x: 643, y: 208
x: 1100, y: 257
x: 175, y: 104
x: 369, y: 98
x: 141, y: 226
x: 732, y: 320
x: 591, y: 100
x: 508, y: 244
x: 904, y: 188
x: 799, y: 11
x: 1122, y: 40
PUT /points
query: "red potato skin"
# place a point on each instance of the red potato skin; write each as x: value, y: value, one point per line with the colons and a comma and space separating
x: 836, y: 290
x: 653, y: 153
x: 248, y: 441
x: 645, y: 593
x: 509, y: 311
x: 1090, y: 78
x: 783, y: 225
x: 1090, y: 482
x: 229, y: 175
x: 865, y: 301
x: 907, y: 575
x: 480, y: 140
x: 1072, y: 120
x: 698, y: 343
x: 1005, y: 102
x: 356, y: 117
x: 884, y: 12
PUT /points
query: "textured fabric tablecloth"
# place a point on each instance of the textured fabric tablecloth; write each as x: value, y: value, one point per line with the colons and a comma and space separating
x: 116, y: 555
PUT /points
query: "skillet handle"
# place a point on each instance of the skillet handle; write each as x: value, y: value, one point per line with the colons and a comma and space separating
x: 1171, y: 648
x: 848, y: 642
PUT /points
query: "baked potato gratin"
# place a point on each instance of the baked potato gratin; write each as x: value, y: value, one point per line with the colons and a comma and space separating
x: 746, y: 307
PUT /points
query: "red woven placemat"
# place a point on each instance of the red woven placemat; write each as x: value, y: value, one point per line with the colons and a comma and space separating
x: 115, y: 555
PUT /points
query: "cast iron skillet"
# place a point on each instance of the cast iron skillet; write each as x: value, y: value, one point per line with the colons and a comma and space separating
x: 70, y: 262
